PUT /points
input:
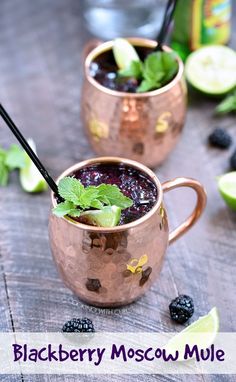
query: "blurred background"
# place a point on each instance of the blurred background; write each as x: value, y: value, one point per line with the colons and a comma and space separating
x: 110, y: 18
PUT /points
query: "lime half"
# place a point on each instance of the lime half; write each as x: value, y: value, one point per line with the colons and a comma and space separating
x: 124, y: 53
x: 30, y: 178
x: 109, y: 216
x: 211, y: 69
x: 227, y: 188
x: 201, y: 333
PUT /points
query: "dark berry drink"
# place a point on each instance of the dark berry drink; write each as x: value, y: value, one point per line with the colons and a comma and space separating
x: 104, y: 70
x: 133, y: 183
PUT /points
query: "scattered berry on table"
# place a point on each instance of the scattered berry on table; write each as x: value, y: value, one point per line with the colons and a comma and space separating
x: 181, y: 308
x: 78, y: 325
x: 220, y: 138
x: 233, y: 160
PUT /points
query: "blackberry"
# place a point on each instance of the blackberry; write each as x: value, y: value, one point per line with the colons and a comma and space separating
x: 181, y: 308
x: 124, y: 84
x: 233, y: 160
x: 130, y: 86
x: 78, y: 325
x: 220, y: 138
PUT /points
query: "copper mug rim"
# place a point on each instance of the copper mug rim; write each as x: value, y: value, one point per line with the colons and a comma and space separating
x: 138, y: 41
x: 116, y: 160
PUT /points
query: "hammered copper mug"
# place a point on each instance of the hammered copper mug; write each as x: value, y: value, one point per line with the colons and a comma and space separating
x: 140, y: 126
x: 111, y: 267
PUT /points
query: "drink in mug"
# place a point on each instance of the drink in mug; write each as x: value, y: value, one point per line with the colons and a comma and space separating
x: 132, y: 183
x: 113, y: 266
x: 123, y: 122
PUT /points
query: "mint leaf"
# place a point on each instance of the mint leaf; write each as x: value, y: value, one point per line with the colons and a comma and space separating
x: 63, y: 209
x: 134, y: 70
x: 227, y: 105
x: 114, y: 195
x: 88, y: 196
x: 97, y: 204
x: 15, y: 158
x: 159, y: 68
x: 153, y: 69
x: 101, y: 198
x: 170, y: 66
x: 2, y: 154
x: 147, y: 85
x: 4, y: 173
x: 70, y: 189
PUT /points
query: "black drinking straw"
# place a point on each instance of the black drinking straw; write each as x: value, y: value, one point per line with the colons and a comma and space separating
x: 168, y: 15
x: 28, y: 150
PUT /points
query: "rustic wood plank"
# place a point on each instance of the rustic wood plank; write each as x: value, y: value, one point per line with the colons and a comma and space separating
x: 40, y: 82
x: 6, y: 308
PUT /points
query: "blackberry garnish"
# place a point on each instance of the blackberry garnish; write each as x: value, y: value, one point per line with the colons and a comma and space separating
x: 233, y: 161
x: 220, y: 138
x: 78, y: 325
x: 181, y: 309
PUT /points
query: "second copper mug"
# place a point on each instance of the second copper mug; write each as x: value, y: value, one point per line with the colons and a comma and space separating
x: 140, y: 126
x: 110, y: 267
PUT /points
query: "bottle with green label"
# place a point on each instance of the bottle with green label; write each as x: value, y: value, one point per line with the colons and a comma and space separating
x: 200, y: 22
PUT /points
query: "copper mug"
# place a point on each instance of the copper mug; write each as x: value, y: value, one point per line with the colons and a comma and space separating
x: 110, y: 267
x: 140, y: 126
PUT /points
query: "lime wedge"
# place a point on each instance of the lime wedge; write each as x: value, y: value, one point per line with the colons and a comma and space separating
x: 201, y: 333
x: 30, y: 178
x: 211, y: 69
x: 124, y: 53
x: 227, y: 188
x: 109, y: 216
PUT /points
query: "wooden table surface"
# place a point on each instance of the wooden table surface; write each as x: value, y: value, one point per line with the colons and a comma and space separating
x: 40, y: 81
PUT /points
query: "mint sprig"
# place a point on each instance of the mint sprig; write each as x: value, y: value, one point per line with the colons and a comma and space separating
x: 228, y: 104
x: 15, y: 158
x: 10, y: 159
x: 156, y: 71
x: 70, y: 189
x: 78, y: 198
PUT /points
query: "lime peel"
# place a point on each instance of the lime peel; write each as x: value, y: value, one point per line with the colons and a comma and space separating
x: 30, y: 178
x: 211, y: 69
x: 109, y: 216
x: 124, y: 53
x: 201, y: 332
x: 227, y: 188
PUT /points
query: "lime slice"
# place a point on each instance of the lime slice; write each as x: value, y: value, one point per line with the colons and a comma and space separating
x: 124, y: 53
x: 211, y: 69
x: 30, y: 178
x: 109, y: 216
x: 227, y: 188
x: 201, y: 333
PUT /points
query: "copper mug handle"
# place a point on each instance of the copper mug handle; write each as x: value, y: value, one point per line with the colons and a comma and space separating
x: 200, y: 205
